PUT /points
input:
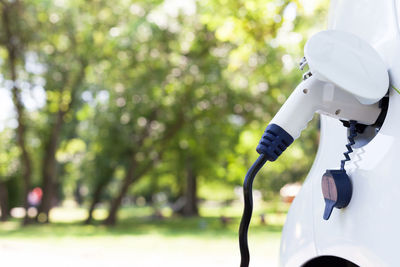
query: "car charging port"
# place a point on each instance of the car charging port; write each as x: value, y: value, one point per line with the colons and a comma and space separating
x: 365, y: 133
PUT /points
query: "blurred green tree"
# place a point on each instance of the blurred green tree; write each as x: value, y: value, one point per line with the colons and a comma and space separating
x: 9, y: 165
x: 173, y: 95
x: 15, y: 35
x: 61, y: 47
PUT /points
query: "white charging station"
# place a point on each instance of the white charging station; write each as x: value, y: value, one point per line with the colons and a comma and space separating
x: 366, y: 232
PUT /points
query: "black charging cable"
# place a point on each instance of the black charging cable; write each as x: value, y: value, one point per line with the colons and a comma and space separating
x: 273, y: 142
x: 248, y: 208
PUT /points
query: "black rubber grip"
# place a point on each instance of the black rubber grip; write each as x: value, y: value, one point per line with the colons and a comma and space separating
x: 274, y: 141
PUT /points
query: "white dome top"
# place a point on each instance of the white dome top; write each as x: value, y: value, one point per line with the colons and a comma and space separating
x: 348, y: 62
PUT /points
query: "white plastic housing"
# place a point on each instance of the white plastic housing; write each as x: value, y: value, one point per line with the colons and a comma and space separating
x: 348, y: 79
x: 349, y: 62
x: 313, y: 95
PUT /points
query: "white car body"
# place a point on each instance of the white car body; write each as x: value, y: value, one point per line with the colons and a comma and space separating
x: 367, y: 231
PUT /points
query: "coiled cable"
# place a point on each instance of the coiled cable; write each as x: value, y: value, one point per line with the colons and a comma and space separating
x: 352, y: 134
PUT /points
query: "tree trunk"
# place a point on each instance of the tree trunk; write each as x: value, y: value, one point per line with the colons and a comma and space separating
x: 132, y: 174
x: 49, y: 163
x: 116, y: 203
x: 13, y: 44
x: 49, y: 171
x: 3, y: 201
x: 190, y: 208
x: 96, y: 199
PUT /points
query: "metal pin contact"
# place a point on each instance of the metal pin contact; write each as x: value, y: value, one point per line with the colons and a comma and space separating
x: 303, y: 63
x: 307, y: 75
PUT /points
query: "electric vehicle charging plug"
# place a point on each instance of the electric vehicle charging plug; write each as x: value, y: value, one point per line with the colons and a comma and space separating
x: 317, y: 96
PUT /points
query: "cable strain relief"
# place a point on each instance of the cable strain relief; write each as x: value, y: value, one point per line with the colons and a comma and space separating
x: 274, y: 141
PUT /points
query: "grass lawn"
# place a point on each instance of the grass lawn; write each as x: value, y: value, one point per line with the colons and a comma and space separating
x: 141, y: 240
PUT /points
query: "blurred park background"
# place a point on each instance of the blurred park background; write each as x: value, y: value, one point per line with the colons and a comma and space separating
x: 126, y: 128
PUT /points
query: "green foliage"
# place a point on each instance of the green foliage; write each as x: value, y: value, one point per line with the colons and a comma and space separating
x: 9, y: 154
x: 163, y: 87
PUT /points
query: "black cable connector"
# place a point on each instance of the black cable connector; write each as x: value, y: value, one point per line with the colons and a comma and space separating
x: 274, y: 141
